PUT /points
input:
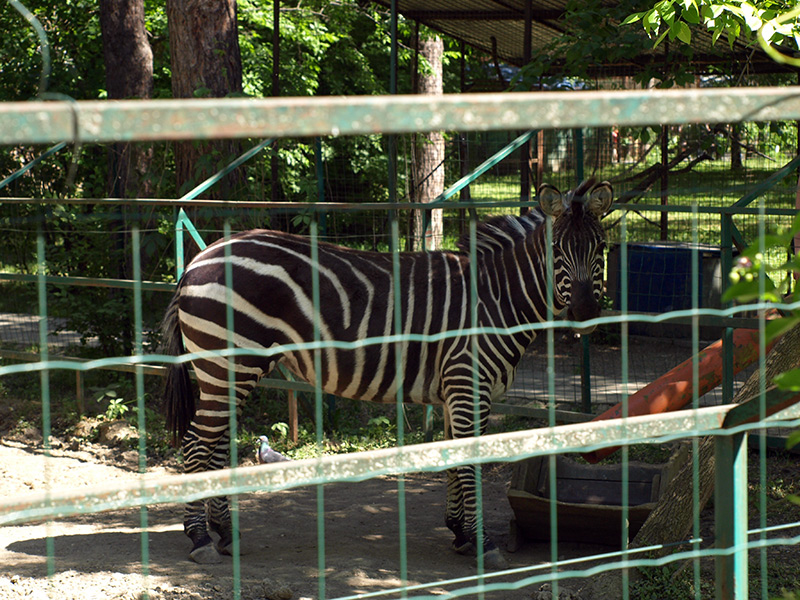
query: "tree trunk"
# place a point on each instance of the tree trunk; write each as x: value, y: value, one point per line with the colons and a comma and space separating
x: 128, y: 62
x: 736, y: 146
x: 671, y: 520
x: 129, y: 74
x: 428, y: 151
x: 206, y: 62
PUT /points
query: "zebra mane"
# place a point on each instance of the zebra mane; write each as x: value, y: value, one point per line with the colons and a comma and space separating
x: 502, y: 232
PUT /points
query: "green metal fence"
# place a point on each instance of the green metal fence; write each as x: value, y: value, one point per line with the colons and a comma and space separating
x: 728, y: 425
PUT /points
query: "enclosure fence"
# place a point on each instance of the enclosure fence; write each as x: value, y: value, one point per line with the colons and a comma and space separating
x: 729, y: 425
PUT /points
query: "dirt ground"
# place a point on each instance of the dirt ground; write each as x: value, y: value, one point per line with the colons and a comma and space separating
x: 100, y: 555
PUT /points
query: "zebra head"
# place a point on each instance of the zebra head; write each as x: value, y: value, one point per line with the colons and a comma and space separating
x: 578, y: 246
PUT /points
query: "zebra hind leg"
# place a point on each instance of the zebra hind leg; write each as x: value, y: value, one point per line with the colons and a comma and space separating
x: 196, y: 455
x: 194, y: 526
x: 219, y: 515
x: 220, y: 522
x: 200, y: 455
x: 454, y: 515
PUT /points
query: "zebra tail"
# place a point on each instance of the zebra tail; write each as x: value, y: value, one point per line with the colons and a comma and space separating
x: 178, y: 395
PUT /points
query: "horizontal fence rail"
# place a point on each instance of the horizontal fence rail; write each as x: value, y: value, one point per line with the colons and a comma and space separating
x: 407, y: 459
x: 101, y: 121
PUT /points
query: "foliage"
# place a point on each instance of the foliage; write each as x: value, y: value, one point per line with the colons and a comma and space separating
x: 592, y: 29
x: 754, y: 279
x: 659, y: 583
x: 673, y: 20
x: 116, y: 406
x: 623, y: 32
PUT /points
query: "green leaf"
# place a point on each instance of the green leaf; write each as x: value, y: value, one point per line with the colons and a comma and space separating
x: 651, y: 20
x: 795, y: 499
x: 793, y: 439
x: 660, y: 38
x: 749, y: 291
x: 632, y: 18
x: 690, y: 14
x: 682, y: 32
x: 778, y: 327
x: 790, y: 380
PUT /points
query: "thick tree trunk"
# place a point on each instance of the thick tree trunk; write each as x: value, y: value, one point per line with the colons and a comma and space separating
x: 128, y: 62
x: 428, y: 149
x: 672, y: 518
x: 206, y: 62
x: 129, y: 74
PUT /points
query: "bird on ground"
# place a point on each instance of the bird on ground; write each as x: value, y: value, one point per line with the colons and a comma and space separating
x: 266, y: 454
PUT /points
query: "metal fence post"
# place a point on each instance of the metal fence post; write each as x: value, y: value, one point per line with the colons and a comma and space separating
x: 726, y: 260
x: 730, y: 515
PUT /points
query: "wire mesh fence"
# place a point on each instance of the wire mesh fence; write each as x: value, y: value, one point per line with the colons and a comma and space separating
x: 319, y: 547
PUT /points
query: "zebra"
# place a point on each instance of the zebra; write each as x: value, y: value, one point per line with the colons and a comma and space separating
x: 270, y: 277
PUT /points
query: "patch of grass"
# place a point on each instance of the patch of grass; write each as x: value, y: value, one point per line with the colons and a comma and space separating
x: 666, y: 583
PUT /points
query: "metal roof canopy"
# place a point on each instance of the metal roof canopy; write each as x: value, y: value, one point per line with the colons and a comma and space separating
x: 500, y: 28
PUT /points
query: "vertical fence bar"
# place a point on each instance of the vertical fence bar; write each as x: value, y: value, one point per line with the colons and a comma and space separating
x: 726, y: 260
x: 730, y: 516
x: 44, y: 379
x: 140, y: 393
x: 586, y: 373
x: 586, y: 367
x: 762, y: 408
x: 399, y: 358
x: 473, y: 312
x: 624, y: 542
x: 317, y: 324
x: 696, y: 271
x: 551, y: 404
x: 233, y: 425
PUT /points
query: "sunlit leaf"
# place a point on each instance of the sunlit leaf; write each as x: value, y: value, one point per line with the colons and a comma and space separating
x: 682, y: 32
x: 778, y: 327
x: 651, y: 20
x: 632, y: 18
x: 790, y: 380
x: 748, y: 291
x: 690, y: 14
x: 793, y: 439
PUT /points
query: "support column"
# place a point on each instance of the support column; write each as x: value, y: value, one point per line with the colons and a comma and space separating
x: 730, y: 515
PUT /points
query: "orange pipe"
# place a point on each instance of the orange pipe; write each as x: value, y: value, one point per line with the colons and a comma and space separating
x: 675, y: 389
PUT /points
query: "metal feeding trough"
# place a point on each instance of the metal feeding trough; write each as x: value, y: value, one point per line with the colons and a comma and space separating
x: 588, y: 498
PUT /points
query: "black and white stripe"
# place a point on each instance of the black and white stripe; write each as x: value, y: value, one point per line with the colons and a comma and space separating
x: 270, y: 276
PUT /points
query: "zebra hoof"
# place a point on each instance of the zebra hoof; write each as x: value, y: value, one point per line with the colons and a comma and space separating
x: 464, y: 548
x: 205, y: 555
x: 226, y: 549
x: 493, y: 560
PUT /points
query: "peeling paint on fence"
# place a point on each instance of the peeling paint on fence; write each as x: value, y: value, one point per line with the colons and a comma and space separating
x: 105, y: 121
x: 363, y: 465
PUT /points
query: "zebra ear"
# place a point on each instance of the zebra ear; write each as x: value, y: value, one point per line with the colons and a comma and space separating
x: 600, y: 198
x: 550, y: 200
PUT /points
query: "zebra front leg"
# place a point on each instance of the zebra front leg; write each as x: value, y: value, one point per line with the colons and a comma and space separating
x: 454, y: 506
x: 462, y: 514
x: 468, y: 523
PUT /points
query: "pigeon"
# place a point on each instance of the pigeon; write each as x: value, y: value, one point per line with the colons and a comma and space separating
x: 266, y: 454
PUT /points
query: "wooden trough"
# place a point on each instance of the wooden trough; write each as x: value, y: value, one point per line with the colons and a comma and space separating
x: 588, y: 498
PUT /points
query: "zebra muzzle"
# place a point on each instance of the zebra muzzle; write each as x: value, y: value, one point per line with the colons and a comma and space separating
x: 583, y: 306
